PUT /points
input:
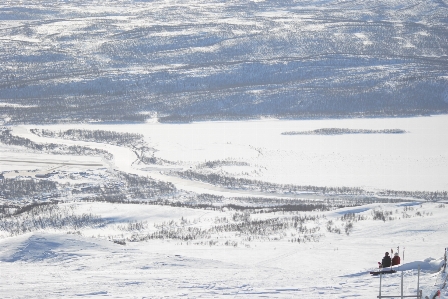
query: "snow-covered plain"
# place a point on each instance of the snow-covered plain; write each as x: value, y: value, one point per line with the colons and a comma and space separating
x: 414, y: 161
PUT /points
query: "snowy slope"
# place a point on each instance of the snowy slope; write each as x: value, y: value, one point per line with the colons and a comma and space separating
x: 56, y: 264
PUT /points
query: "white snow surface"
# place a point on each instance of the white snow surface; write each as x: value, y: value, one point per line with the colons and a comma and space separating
x: 414, y: 161
x: 54, y: 264
x: 62, y: 262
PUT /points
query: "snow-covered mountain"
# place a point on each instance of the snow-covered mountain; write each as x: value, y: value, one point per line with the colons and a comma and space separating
x: 129, y: 60
x: 265, y: 207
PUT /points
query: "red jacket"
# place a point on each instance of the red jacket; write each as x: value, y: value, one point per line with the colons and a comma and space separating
x: 396, y: 260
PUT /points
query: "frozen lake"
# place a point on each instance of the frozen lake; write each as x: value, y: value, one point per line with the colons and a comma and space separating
x: 415, y: 160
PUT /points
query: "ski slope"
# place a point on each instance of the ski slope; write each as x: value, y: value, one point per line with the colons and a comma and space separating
x: 52, y: 264
x: 218, y: 83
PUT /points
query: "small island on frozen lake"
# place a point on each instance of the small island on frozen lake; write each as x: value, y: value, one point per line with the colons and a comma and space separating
x: 340, y: 131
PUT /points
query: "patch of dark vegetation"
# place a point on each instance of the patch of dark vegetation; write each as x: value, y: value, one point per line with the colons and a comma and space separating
x: 125, y: 188
x: 339, y: 131
x: 252, y: 205
x: 407, y: 212
x: 426, y: 195
x: 120, y: 187
x: 22, y: 188
x: 40, y: 216
x: 176, y: 119
x: 102, y: 136
x: 9, y: 139
x: 219, y: 163
x: 261, y: 186
x: 131, y: 140
x: 244, y: 226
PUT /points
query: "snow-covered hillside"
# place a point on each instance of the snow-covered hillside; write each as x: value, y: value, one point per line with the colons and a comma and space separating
x: 129, y: 60
x: 85, y: 263
x: 211, y: 149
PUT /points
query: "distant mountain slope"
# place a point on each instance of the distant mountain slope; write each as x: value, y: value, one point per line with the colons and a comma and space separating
x: 128, y: 60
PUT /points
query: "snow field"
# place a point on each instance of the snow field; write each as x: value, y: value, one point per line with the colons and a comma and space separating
x: 415, y: 160
x: 84, y: 262
x: 71, y: 265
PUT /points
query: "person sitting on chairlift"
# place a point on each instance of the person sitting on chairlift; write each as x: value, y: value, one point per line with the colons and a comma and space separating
x: 386, y: 262
x: 396, y: 259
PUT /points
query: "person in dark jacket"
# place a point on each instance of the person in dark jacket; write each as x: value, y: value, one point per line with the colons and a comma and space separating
x: 386, y: 262
x: 396, y: 259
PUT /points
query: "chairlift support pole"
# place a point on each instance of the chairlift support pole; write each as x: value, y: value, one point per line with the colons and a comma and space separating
x: 419, y: 292
x: 418, y: 281
x: 402, y: 284
x: 380, y: 285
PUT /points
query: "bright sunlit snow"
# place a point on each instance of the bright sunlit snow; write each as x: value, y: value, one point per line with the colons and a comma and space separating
x: 223, y: 149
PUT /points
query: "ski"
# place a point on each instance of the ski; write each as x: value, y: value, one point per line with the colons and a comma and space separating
x: 382, y: 272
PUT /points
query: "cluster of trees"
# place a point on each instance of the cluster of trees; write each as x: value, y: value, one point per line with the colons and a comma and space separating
x: 241, y: 226
x: 219, y: 163
x: 245, y: 184
x: 102, y: 136
x: 354, y: 217
x: 382, y: 215
x: 118, y: 193
x: 18, y: 189
x: 126, y: 188
x: 39, y: 216
x: 7, y: 138
x: 142, y: 187
x: 340, y: 131
x: 120, y: 187
x: 131, y: 140
x: 347, y: 223
x: 331, y: 228
x: 405, y: 213
x: 426, y: 195
x: 256, y: 185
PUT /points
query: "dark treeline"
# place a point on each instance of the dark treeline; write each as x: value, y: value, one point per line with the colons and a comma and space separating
x: 111, y: 137
x: 242, y: 225
x: 143, y: 187
x: 192, y: 204
x: 253, y: 205
x: 256, y: 185
x: 121, y: 187
x: 44, y: 216
x: 7, y: 138
x: 340, y: 131
x: 131, y: 140
x: 16, y: 189
x: 124, y: 187
x: 241, y: 183
x: 426, y: 195
x: 219, y: 163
